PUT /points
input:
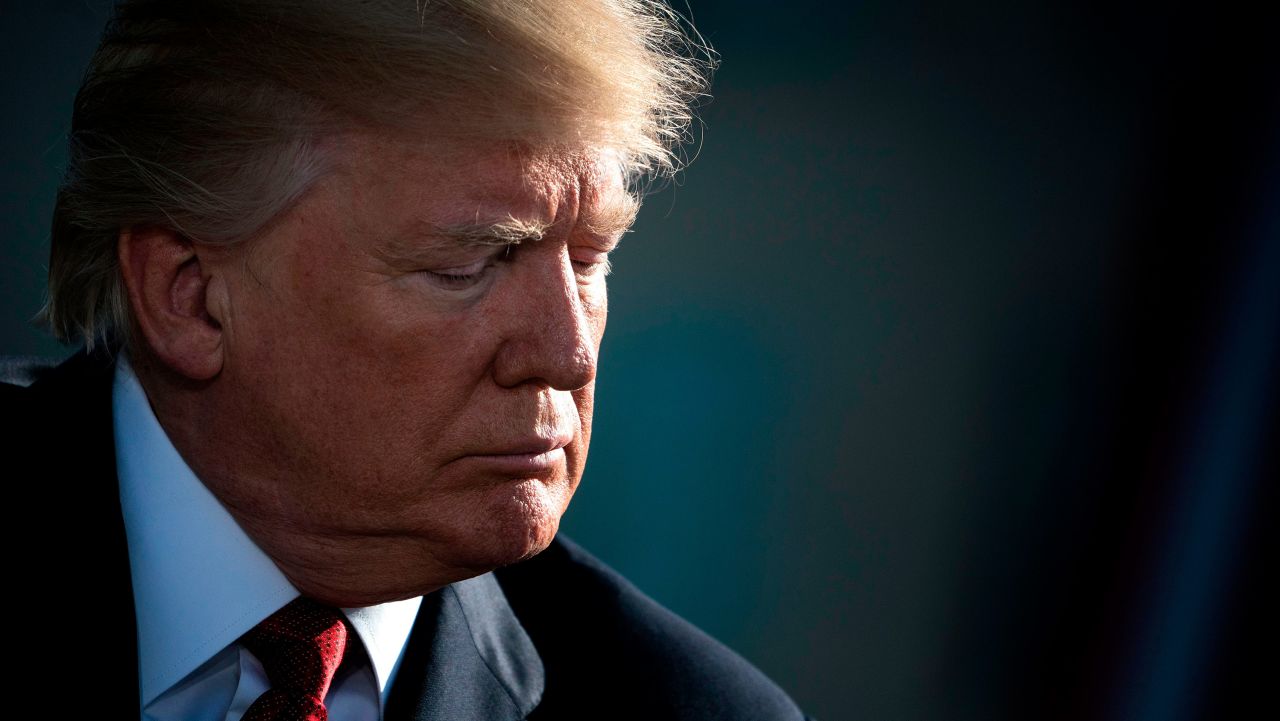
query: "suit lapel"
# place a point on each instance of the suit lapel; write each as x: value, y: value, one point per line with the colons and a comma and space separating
x: 468, y: 659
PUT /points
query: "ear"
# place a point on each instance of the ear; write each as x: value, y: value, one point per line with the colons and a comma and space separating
x: 169, y: 293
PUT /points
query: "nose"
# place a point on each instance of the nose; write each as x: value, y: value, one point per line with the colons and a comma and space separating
x: 552, y: 323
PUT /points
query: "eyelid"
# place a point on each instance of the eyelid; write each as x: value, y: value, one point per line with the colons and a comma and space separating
x: 459, y: 278
x: 597, y: 262
x: 589, y: 254
x: 468, y: 269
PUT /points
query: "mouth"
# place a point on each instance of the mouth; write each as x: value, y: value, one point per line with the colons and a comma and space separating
x: 526, y: 456
x: 530, y: 446
x: 521, y: 464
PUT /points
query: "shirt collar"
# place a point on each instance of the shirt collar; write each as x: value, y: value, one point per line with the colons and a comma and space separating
x: 384, y: 631
x: 199, y: 582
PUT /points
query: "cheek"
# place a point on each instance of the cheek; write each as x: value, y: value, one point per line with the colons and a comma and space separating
x: 576, y: 454
x: 584, y: 399
x: 351, y: 374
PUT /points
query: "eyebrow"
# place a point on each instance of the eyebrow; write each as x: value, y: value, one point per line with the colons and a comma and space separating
x: 423, y: 237
x: 615, y: 218
x: 508, y: 231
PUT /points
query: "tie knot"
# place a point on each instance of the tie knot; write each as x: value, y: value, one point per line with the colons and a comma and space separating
x: 300, y: 647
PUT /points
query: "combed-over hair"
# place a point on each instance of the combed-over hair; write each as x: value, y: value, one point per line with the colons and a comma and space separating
x: 205, y: 116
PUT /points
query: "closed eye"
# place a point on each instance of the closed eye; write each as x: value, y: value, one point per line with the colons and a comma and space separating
x: 589, y: 268
x: 463, y: 276
x: 591, y: 263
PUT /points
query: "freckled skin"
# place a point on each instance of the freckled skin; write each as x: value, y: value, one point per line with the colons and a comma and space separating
x: 355, y: 395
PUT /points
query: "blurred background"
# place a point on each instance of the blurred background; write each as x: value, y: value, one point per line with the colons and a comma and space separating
x: 943, y: 384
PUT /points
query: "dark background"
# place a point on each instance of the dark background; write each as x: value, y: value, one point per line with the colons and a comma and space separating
x: 942, y: 385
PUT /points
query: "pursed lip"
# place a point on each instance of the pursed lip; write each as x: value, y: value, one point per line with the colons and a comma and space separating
x: 531, y: 446
x: 535, y: 455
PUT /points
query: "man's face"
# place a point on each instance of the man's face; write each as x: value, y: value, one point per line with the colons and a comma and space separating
x: 400, y: 379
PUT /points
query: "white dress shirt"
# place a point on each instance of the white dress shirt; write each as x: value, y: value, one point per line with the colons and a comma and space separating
x: 199, y: 583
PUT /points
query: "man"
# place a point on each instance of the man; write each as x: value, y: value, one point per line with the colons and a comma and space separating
x: 339, y: 268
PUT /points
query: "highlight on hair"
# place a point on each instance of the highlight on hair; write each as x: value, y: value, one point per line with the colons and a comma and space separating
x: 207, y: 116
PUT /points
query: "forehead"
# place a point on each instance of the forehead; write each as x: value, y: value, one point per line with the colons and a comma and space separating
x: 460, y: 181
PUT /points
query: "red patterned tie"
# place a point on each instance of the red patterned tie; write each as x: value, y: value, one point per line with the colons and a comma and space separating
x: 300, y: 646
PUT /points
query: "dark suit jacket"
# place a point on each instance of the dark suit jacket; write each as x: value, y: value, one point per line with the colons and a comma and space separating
x: 560, y: 636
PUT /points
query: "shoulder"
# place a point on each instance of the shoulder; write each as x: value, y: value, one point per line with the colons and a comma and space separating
x: 55, y: 426
x: 44, y: 402
x: 56, y: 423
x: 17, y: 374
x: 55, y: 420
x: 610, y: 649
x: 82, y: 377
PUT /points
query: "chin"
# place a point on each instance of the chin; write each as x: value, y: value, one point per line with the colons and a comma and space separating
x: 516, y: 524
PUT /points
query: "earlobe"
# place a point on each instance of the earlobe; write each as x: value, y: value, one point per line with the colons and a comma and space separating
x: 168, y: 286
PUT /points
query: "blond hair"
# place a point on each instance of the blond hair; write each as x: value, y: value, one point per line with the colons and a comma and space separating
x: 204, y: 116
